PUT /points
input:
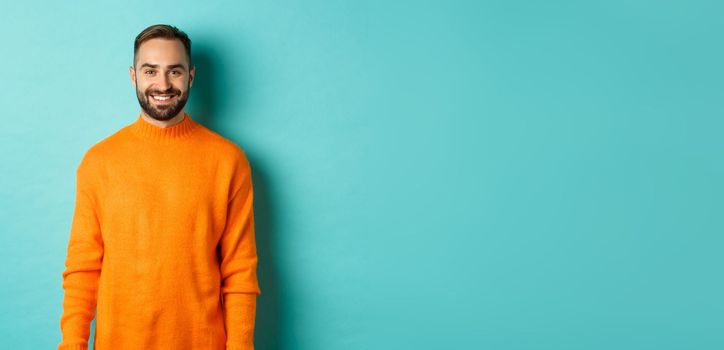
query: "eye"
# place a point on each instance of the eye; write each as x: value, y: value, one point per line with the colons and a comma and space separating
x: 149, y: 72
x: 175, y: 72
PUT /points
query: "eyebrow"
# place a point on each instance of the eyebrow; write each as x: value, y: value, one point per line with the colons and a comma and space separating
x: 170, y: 66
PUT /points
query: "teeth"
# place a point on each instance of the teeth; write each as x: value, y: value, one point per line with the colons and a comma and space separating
x: 161, y: 98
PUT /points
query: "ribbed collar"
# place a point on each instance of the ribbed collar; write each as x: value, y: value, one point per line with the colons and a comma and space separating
x: 157, y: 134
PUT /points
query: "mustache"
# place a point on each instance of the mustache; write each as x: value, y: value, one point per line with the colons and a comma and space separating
x: 167, y: 92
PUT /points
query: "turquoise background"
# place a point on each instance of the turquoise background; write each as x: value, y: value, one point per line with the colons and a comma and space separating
x: 428, y: 175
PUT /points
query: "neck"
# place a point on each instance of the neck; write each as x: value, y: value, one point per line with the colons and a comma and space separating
x: 149, y: 131
x: 163, y: 123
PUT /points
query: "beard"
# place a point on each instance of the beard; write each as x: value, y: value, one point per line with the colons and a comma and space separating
x: 163, y: 112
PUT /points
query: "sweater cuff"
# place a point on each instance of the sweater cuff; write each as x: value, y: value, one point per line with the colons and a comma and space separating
x: 73, y: 347
x: 240, y: 347
x: 240, y: 312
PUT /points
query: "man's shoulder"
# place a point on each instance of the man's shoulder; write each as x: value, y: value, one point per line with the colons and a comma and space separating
x: 104, y: 147
x: 222, y: 145
x: 106, y: 144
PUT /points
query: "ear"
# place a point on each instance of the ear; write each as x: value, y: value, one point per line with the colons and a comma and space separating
x: 192, y: 74
x: 132, y: 72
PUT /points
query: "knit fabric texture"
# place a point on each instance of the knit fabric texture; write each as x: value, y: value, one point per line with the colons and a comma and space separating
x: 162, y: 249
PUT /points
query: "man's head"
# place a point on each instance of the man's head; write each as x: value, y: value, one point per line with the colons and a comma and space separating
x: 162, y: 72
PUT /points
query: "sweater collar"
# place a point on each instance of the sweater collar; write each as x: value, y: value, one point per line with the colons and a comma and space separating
x: 169, y: 134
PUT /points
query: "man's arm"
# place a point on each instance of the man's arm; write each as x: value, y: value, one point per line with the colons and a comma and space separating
x: 237, y: 246
x: 83, y: 265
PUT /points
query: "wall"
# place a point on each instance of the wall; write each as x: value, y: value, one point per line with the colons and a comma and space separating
x: 429, y: 175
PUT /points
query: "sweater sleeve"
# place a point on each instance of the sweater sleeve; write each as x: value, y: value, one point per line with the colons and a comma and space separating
x: 238, y: 256
x: 83, y: 265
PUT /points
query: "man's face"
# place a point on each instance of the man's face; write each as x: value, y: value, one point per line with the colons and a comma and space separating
x: 162, y: 77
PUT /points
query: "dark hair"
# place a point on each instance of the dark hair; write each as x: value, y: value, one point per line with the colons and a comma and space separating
x: 162, y: 31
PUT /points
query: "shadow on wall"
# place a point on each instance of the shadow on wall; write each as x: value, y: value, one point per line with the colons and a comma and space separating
x: 215, y: 96
x: 204, y: 100
x: 219, y: 88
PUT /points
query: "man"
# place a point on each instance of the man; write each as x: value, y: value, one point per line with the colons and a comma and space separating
x: 162, y: 242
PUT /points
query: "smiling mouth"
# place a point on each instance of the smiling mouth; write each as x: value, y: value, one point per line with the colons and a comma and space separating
x: 163, y: 98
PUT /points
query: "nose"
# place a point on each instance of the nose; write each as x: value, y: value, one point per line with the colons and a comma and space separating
x: 163, y: 82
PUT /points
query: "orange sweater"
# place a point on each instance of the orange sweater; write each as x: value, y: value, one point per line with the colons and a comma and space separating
x: 162, y: 243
